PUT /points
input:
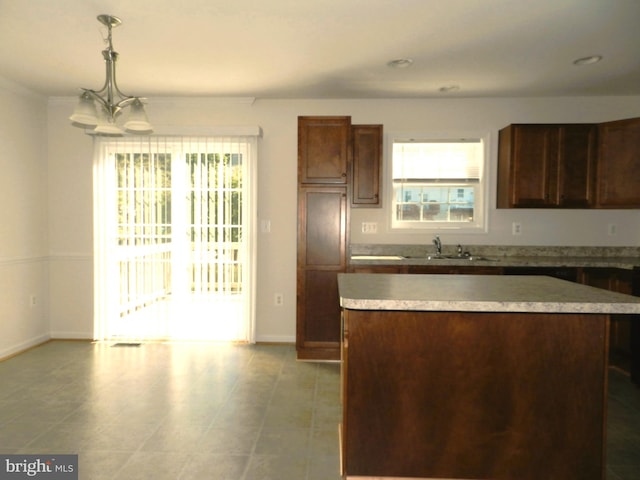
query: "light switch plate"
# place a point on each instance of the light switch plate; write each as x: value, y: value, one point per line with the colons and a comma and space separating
x: 369, y: 227
x: 516, y: 228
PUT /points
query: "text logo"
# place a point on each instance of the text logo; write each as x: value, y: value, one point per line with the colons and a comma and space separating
x: 50, y: 467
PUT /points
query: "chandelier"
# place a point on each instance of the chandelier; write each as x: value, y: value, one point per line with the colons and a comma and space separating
x: 99, y: 109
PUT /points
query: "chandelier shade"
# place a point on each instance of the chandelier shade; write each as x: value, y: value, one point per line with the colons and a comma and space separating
x: 98, y: 110
x: 85, y: 115
x: 138, y: 121
x: 107, y: 127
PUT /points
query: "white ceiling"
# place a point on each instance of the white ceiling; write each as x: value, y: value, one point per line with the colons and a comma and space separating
x: 325, y: 48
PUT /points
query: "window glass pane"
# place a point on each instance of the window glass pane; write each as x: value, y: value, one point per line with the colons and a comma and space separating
x: 431, y: 203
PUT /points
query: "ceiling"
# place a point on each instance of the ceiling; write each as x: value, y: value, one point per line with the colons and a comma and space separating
x: 325, y: 48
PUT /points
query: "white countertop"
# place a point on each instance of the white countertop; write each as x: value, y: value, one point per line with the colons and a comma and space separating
x: 478, y: 293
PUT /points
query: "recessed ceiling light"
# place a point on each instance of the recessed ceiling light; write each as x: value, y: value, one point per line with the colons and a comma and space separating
x: 449, y: 88
x: 588, y: 60
x: 400, y: 63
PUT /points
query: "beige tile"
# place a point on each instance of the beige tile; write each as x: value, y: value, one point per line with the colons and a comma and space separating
x: 101, y: 465
x: 229, y: 441
x: 16, y: 435
x: 218, y: 467
x: 239, y: 415
x: 152, y: 465
x: 175, y: 438
x: 292, y: 442
x: 276, y: 467
x: 119, y: 437
x: 324, y: 442
x: 324, y: 468
x: 288, y: 416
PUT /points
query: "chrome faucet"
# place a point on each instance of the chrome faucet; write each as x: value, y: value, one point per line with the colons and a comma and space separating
x: 438, y: 245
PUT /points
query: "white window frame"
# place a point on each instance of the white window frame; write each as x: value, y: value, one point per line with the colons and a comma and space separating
x: 479, y: 223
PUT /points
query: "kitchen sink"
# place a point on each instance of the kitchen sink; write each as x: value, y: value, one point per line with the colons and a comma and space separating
x: 435, y: 258
x: 479, y: 258
x: 470, y: 258
x: 376, y: 257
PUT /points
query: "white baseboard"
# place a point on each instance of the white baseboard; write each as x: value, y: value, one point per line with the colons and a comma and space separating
x: 72, y: 335
x: 26, y: 345
x: 275, y: 339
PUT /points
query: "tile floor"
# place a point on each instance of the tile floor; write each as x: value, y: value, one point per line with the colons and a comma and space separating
x: 172, y: 411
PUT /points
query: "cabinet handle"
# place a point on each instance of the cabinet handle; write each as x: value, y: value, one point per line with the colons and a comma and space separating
x: 344, y: 174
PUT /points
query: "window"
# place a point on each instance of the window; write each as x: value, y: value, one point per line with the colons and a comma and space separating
x: 438, y: 183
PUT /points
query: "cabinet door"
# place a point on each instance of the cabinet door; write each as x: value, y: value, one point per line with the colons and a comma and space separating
x: 318, y: 315
x: 564, y: 273
x: 621, y: 281
x: 367, y: 160
x: 528, y: 166
x: 322, y: 234
x: 618, y: 173
x: 322, y: 227
x: 578, y: 155
x: 323, y: 149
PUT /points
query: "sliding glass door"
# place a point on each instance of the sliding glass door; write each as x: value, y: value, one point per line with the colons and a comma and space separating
x: 174, y: 226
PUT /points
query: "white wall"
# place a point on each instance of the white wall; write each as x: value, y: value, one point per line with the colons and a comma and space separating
x: 539, y: 226
x: 69, y: 165
x: 23, y: 219
x: 70, y: 200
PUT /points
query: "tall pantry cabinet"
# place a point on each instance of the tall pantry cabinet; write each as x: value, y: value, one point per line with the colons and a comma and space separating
x: 324, y: 160
x: 339, y: 168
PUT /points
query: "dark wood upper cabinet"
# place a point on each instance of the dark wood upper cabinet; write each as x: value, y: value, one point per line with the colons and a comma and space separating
x: 367, y: 162
x: 546, y: 166
x: 527, y: 166
x: 324, y: 150
x: 577, y: 166
x: 618, y: 169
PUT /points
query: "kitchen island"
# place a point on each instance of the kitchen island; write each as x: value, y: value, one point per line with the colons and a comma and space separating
x: 474, y: 376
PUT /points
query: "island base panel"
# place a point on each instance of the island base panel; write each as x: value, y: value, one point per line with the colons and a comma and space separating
x: 474, y: 395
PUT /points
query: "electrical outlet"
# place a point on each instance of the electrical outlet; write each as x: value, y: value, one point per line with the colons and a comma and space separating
x: 612, y: 229
x: 516, y: 228
x: 278, y: 299
x: 369, y: 227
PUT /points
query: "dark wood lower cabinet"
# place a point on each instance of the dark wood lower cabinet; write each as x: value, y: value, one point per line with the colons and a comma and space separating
x: 318, y: 329
x: 616, y: 280
x: 322, y: 234
x: 563, y: 273
x: 460, y: 395
x: 455, y: 270
x: 635, y: 333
